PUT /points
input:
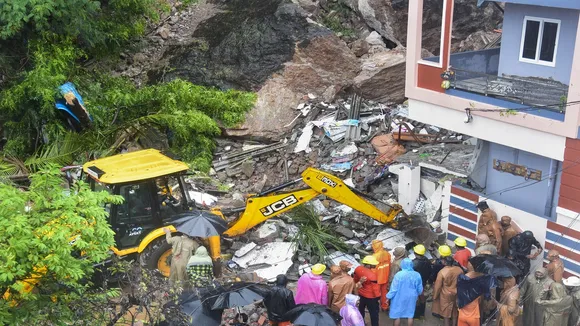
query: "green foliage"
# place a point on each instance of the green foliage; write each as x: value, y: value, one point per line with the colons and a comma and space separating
x: 312, y: 236
x: 36, y: 231
x: 334, y: 23
x: 120, y: 110
x: 91, y: 23
x: 338, y: 12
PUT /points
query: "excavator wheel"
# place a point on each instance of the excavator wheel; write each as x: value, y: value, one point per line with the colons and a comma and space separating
x: 157, y: 256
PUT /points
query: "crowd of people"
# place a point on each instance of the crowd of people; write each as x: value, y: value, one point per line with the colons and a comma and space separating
x: 461, y: 294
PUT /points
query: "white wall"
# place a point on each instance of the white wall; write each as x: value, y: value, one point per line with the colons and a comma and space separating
x: 525, y: 221
x: 530, y: 140
x: 568, y: 218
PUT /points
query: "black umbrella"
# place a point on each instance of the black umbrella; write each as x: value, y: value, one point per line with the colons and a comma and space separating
x: 495, y: 265
x: 192, y: 305
x: 236, y: 295
x: 200, y: 224
x: 312, y: 314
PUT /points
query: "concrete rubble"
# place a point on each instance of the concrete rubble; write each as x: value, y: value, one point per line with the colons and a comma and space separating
x: 374, y: 148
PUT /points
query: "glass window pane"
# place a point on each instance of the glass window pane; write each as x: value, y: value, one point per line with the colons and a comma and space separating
x: 548, y: 45
x: 531, y: 39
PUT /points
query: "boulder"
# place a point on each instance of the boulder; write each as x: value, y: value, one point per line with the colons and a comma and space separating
x: 378, y: 16
x: 323, y: 65
x: 382, y: 77
x: 360, y: 47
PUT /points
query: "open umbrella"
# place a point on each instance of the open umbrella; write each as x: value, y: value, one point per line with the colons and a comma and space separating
x: 312, y: 314
x: 236, y: 295
x: 200, y: 224
x: 191, y: 304
x: 495, y: 265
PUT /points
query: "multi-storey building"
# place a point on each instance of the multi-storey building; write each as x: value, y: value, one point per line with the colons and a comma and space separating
x: 522, y: 101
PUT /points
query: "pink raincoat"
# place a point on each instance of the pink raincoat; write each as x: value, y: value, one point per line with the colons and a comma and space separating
x: 311, y: 289
x: 350, y: 314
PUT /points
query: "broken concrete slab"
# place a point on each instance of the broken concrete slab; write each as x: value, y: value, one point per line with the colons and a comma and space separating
x: 248, y: 168
x: 269, y: 254
x: 344, y: 231
x: 451, y: 159
x: 270, y: 272
x: 245, y: 249
x: 267, y: 230
x: 392, y: 238
x: 335, y: 258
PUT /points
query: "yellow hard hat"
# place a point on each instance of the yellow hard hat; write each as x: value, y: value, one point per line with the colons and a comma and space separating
x: 370, y: 260
x: 419, y: 249
x: 318, y: 269
x: 460, y: 242
x: 444, y: 251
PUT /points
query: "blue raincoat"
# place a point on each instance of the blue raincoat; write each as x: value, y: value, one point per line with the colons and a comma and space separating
x: 405, y: 289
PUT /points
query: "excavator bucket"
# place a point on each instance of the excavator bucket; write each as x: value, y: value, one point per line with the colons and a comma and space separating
x: 415, y: 226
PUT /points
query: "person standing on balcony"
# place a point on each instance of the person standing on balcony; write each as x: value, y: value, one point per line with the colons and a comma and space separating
x: 488, y: 225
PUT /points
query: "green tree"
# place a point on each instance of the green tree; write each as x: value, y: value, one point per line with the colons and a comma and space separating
x: 52, y: 235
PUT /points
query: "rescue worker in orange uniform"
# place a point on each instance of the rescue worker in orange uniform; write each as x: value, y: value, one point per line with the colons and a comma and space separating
x: 383, y: 270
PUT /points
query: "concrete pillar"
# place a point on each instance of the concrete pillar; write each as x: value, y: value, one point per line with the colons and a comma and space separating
x: 409, y: 187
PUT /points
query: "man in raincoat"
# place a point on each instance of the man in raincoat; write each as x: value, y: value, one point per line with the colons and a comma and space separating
x: 383, y: 270
x: 200, y: 268
x: 405, y: 289
x: 483, y: 245
x: 489, y: 225
x: 400, y: 253
x: 509, y: 306
x: 556, y: 266
x: 573, y: 286
x: 279, y: 301
x: 182, y: 246
x: 445, y: 291
x: 423, y: 266
x: 529, y: 292
x: 311, y: 288
x: 439, y: 263
x: 339, y: 286
x: 349, y: 312
x: 558, y: 307
x: 369, y: 291
x: 508, y: 232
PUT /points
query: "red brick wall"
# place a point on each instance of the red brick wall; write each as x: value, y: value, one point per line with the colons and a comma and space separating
x: 570, y: 187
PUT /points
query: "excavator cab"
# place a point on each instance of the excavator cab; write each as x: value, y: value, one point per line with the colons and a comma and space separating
x: 154, y: 194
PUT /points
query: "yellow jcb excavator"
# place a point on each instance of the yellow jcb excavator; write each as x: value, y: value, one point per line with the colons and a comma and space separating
x: 155, y: 192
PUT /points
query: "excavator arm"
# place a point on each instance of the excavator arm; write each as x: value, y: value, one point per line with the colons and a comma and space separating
x: 264, y: 206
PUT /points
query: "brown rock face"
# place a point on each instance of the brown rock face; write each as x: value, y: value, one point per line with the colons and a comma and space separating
x: 383, y: 77
x: 323, y: 66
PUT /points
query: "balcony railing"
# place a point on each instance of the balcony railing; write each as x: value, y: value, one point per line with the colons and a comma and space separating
x: 548, y: 94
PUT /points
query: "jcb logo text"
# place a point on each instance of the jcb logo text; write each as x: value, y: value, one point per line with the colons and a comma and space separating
x: 279, y: 205
x: 326, y: 180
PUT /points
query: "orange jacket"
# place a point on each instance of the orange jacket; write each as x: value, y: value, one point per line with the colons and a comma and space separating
x: 384, y: 258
